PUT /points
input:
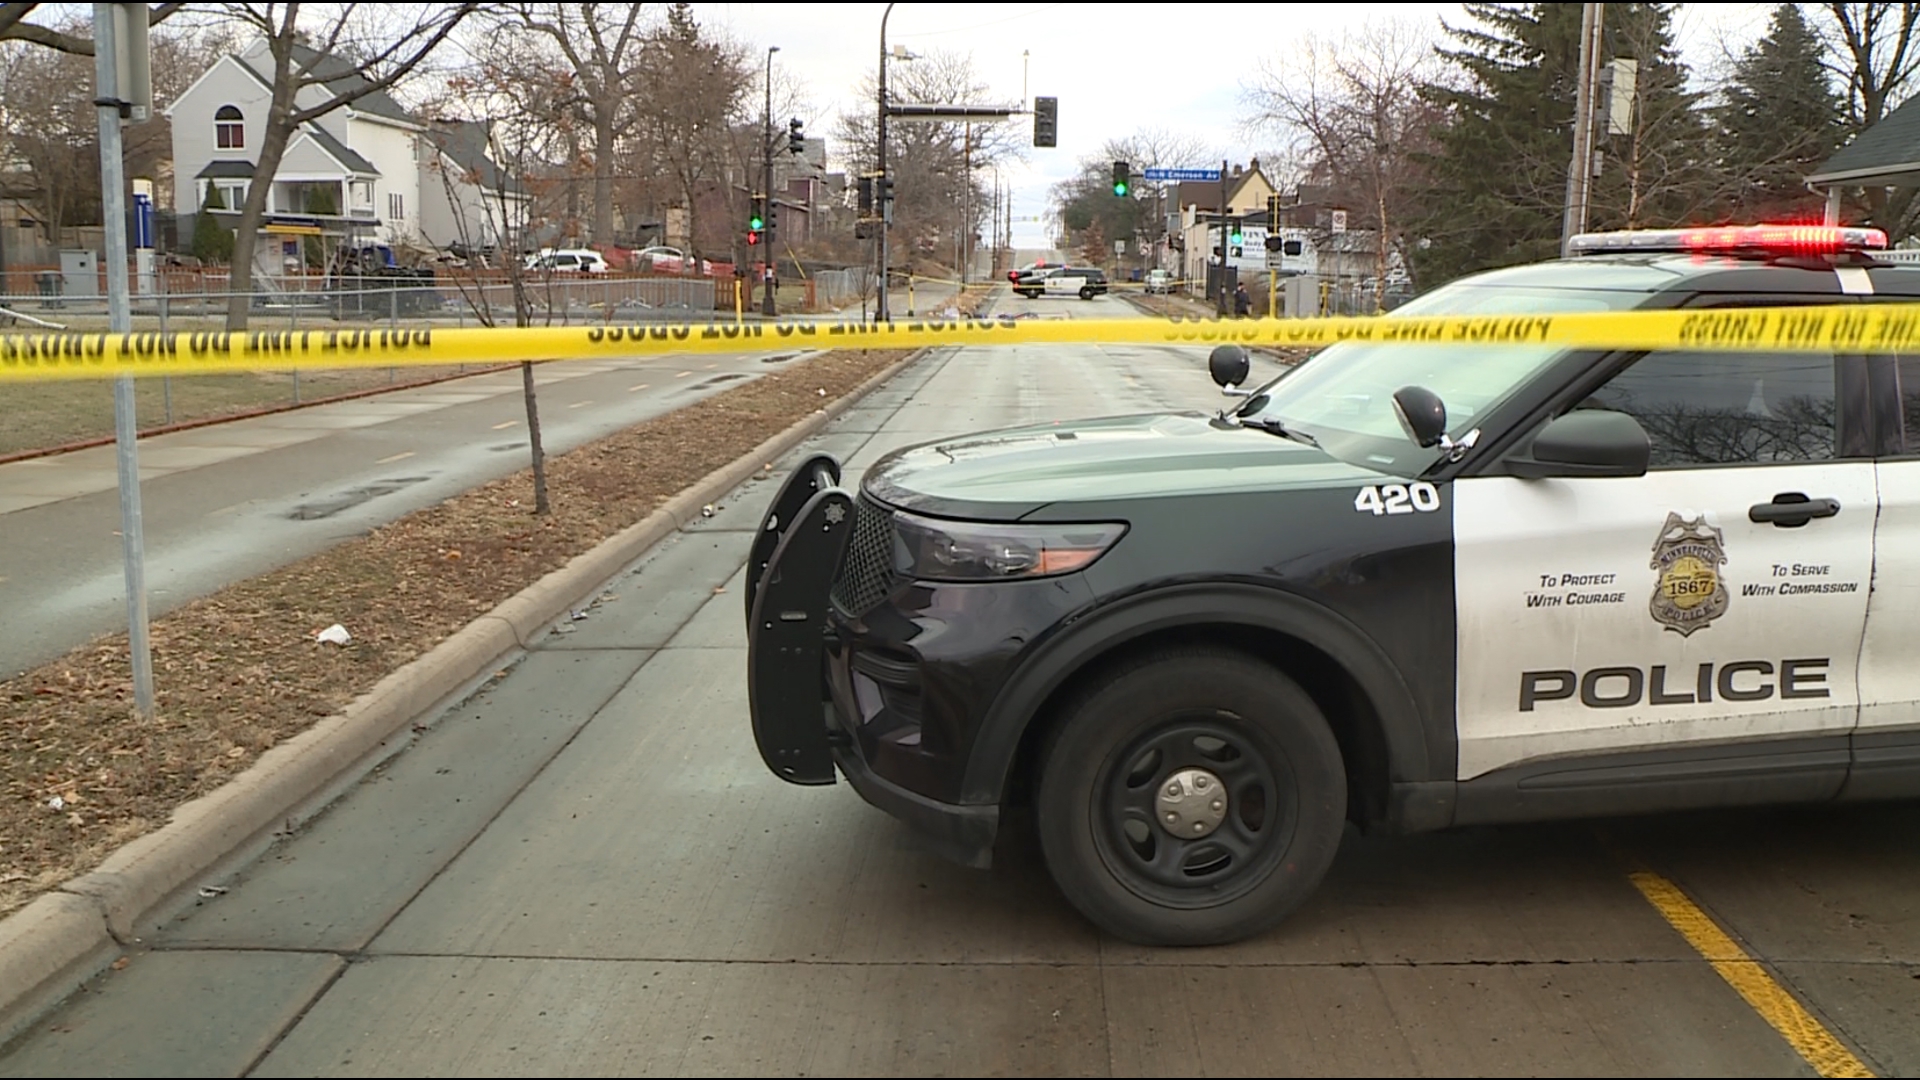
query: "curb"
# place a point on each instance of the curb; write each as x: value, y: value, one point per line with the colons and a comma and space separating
x: 62, y: 938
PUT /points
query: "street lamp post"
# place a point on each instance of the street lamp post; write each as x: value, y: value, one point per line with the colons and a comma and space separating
x: 766, y: 146
x: 883, y: 315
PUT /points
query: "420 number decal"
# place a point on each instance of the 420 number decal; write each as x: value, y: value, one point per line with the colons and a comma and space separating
x: 1378, y: 499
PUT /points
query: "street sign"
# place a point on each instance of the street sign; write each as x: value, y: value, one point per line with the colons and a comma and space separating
x: 1182, y: 174
x: 1339, y: 221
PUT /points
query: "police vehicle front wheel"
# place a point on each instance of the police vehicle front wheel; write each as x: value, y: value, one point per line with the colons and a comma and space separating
x: 1086, y: 292
x: 1195, y: 799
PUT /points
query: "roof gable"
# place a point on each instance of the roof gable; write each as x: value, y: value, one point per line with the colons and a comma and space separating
x: 1890, y: 146
x: 230, y: 63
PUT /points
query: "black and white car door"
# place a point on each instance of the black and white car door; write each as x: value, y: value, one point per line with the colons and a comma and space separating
x: 1720, y: 597
x: 1888, y: 738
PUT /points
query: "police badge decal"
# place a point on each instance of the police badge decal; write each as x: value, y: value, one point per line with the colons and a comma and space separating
x: 1689, y: 592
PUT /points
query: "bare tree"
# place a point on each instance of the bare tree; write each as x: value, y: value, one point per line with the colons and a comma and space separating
x: 1872, y: 49
x: 934, y: 164
x: 51, y: 125
x: 504, y: 209
x: 1354, y: 111
x: 601, y: 44
x: 1090, y: 216
x: 65, y: 36
x: 311, y: 76
x: 691, y: 98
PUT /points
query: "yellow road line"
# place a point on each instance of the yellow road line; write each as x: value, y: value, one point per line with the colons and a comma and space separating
x: 1808, y: 1037
x: 505, y: 424
x: 396, y: 457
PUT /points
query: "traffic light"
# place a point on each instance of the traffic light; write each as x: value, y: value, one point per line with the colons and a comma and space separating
x: 753, y: 238
x: 1122, y: 178
x: 796, y: 142
x: 1234, y: 235
x: 1046, y: 121
x: 1273, y: 213
x: 757, y: 219
x: 865, y: 188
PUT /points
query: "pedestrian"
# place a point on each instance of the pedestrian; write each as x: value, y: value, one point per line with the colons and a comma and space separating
x: 1242, y: 303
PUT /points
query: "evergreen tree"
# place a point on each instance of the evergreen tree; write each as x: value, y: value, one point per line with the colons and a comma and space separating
x: 1499, y: 175
x: 1781, y: 119
x: 212, y: 241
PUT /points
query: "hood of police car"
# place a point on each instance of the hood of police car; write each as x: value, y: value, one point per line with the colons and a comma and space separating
x: 1005, y: 475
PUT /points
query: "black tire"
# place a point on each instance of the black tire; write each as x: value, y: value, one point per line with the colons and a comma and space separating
x: 1244, y: 722
x: 1086, y: 292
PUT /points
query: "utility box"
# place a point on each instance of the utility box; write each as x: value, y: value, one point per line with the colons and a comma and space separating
x: 80, y: 273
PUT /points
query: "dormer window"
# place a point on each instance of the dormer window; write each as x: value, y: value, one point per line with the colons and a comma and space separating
x: 229, y: 129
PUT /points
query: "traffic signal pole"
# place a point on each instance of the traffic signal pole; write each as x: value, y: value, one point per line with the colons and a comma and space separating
x: 768, y: 285
x: 881, y: 313
x: 1221, y: 298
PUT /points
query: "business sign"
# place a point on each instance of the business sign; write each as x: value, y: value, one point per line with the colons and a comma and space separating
x: 1182, y: 174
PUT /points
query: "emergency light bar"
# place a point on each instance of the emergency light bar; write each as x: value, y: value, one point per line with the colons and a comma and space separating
x: 1734, y: 240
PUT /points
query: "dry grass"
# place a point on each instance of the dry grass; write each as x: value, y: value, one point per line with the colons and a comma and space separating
x: 36, y: 416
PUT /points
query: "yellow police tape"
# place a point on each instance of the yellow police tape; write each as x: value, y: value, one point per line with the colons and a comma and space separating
x: 1875, y: 328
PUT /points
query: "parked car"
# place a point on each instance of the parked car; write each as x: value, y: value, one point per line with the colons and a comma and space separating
x: 1159, y: 281
x: 660, y: 259
x: 567, y: 261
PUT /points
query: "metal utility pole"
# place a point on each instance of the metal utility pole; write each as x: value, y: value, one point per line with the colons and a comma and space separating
x: 1580, y: 171
x: 882, y: 188
x: 768, y: 284
x: 1221, y: 291
x: 113, y: 205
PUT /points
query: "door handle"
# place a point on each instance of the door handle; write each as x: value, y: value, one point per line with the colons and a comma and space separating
x: 1791, y: 509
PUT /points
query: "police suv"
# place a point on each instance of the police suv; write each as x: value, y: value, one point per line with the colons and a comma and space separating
x: 1086, y: 282
x: 1409, y: 586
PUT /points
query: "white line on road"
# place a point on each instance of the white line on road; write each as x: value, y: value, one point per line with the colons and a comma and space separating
x: 578, y: 404
x: 397, y: 457
x: 683, y: 375
x: 631, y: 389
x: 508, y: 424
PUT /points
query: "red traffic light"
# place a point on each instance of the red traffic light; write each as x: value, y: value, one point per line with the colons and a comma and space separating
x: 753, y: 238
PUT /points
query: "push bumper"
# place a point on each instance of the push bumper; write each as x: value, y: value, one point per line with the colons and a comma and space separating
x: 791, y: 568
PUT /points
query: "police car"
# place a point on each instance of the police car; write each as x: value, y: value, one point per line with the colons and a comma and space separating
x: 1086, y: 282
x: 1403, y: 585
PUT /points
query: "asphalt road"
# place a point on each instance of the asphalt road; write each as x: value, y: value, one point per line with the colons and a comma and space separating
x: 586, y: 871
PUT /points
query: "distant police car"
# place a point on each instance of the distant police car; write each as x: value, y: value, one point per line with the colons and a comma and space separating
x: 1402, y: 585
x: 1086, y: 282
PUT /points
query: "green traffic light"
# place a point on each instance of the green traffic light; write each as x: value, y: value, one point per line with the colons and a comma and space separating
x: 756, y: 224
x: 1119, y: 189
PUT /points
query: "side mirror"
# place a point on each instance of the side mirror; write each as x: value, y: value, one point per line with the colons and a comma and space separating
x: 1229, y: 365
x: 1588, y: 442
x: 1422, y: 415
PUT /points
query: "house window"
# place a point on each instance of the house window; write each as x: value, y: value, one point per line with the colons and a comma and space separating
x: 396, y: 206
x: 363, y: 194
x: 233, y: 193
x: 229, y: 129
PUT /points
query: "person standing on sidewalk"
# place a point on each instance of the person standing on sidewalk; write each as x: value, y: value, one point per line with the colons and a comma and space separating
x: 1242, y: 302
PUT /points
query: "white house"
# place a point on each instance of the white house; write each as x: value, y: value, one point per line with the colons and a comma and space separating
x: 368, y: 173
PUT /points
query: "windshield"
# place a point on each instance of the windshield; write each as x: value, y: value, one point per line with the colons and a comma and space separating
x: 1343, y: 395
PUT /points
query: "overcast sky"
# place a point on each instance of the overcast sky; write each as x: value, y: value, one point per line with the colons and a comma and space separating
x: 1116, y: 69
